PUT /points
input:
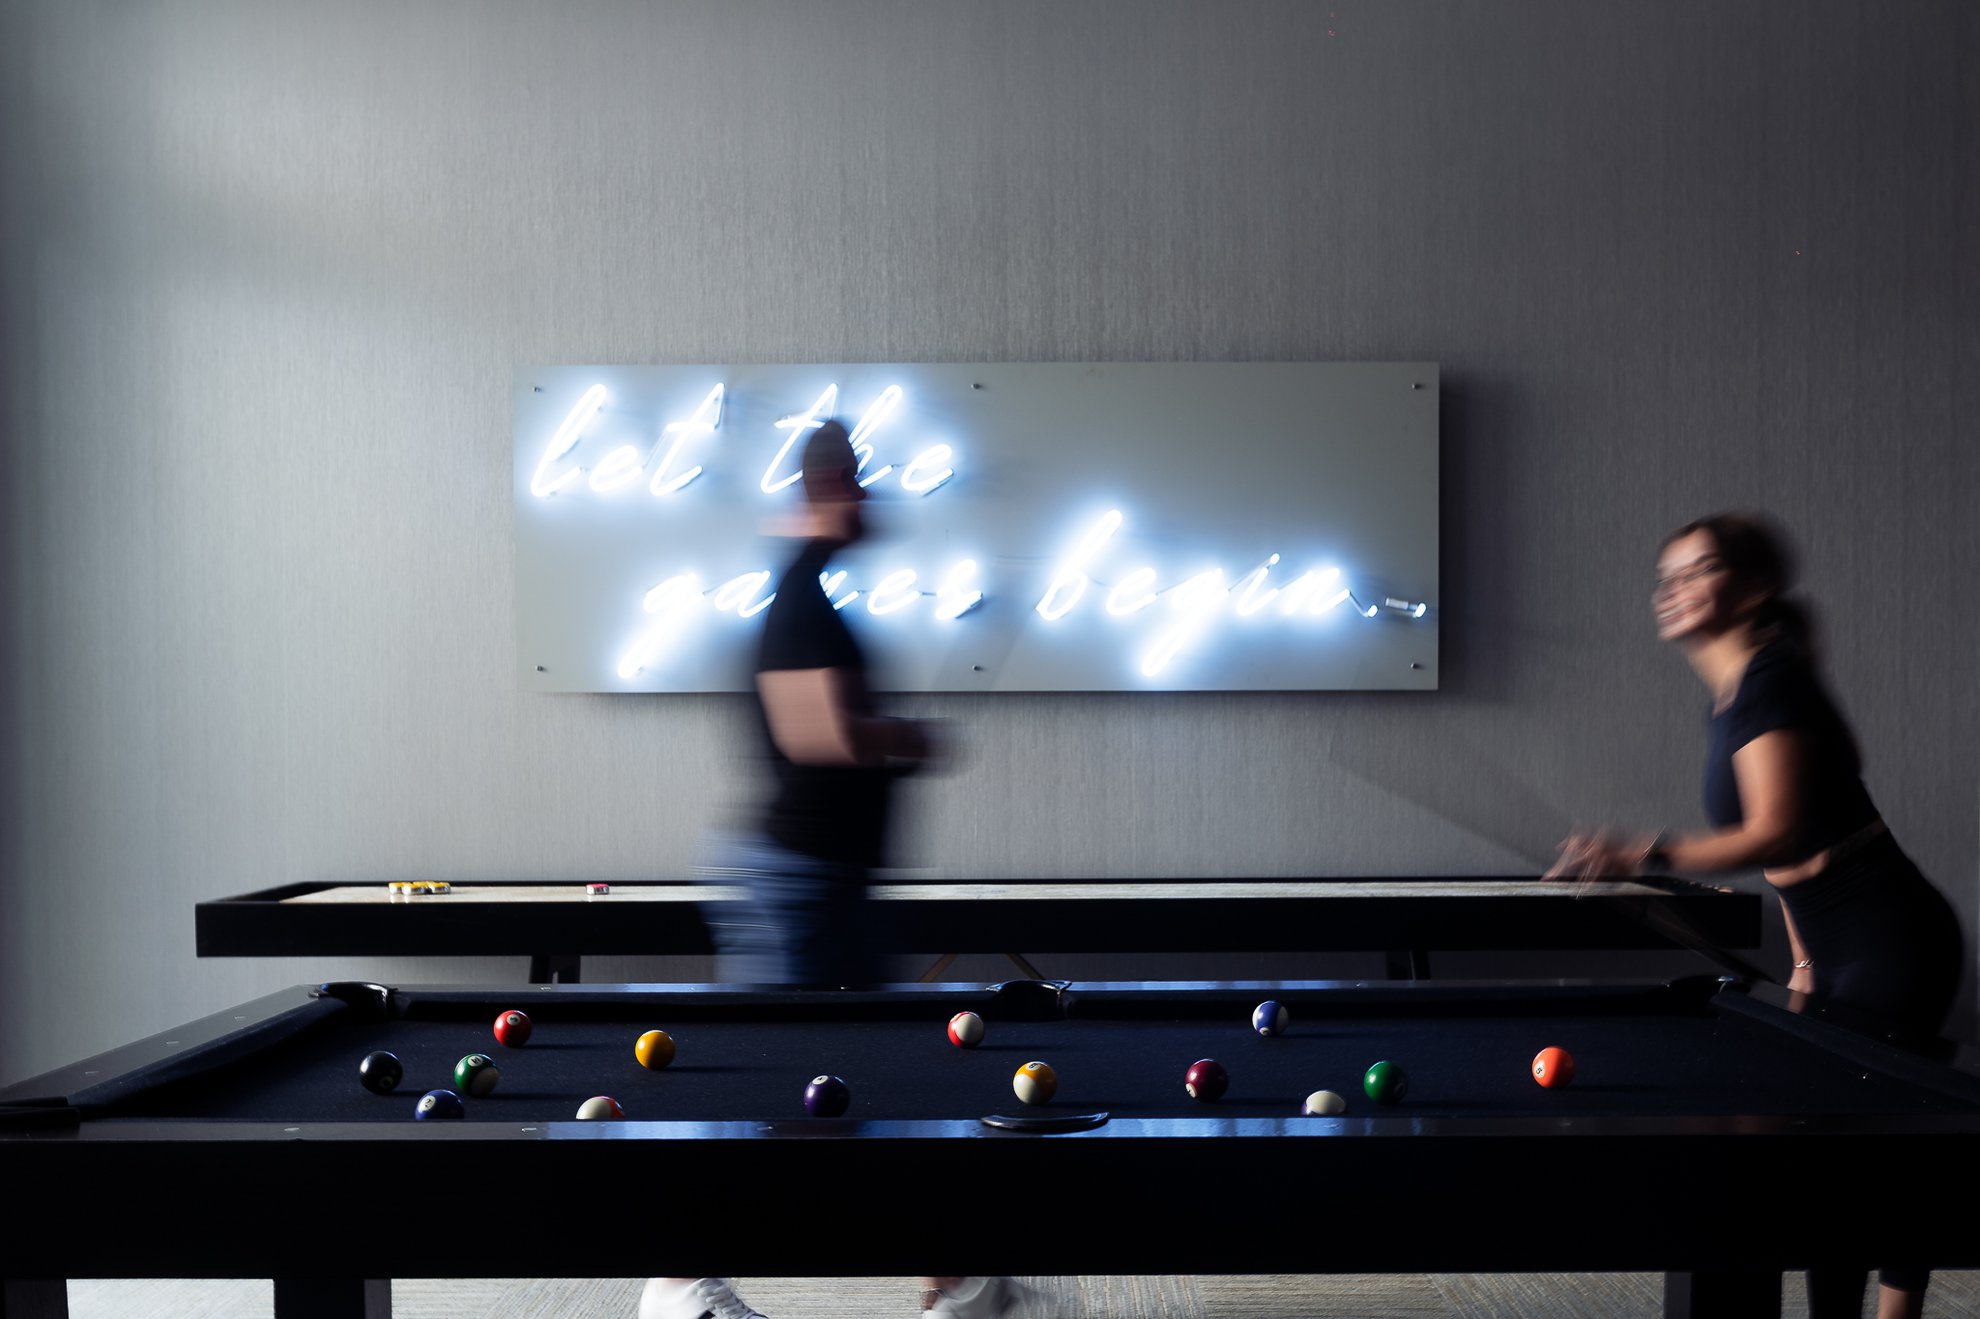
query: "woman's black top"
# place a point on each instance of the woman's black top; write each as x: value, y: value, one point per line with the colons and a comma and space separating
x: 1883, y: 941
x: 833, y: 812
x: 1780, y: 690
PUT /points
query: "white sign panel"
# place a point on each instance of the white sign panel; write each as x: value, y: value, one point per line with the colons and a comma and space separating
x: 1033, y: 527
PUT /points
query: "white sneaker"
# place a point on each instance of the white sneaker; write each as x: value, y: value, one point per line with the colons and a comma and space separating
x: 982, y: 1298
x: 704, y: 1298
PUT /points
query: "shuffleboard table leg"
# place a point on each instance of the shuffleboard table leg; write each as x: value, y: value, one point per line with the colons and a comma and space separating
x: 942, y: 964
x: 333, y: 1298
x: 34, y: 1298
x: 1407, y: 963
x: 555, y: 970
x: 1031, y: 972
x: 1723, y: 1294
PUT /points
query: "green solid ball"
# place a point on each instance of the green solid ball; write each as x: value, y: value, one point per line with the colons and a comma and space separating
x: 476, y: 1075
x: 1386, y: 1083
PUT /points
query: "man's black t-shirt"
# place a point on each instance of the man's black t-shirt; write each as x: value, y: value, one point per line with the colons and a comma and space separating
x: 833, y: 812
x: 1781, y: 690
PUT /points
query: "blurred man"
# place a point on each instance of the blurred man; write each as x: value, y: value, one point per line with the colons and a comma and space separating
x: 833, y: 763
x: 808, y: 859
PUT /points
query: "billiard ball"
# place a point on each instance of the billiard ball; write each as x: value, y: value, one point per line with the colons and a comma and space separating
x: 439, y: 1104
x: 826, y: 1096
x: 1270, y: 1018
x: 1386, y: 1083
x: 655, y: 1049
x: 381, y: 1072
x: 1035, y: 1083
x: 599, y: 1107
x: 1206, y: 1080
x: 1324, y: 1103
x: 476, y: 1075
x: 1553, y: 1068
x: 512, y: 1028
x: 965, y: 1030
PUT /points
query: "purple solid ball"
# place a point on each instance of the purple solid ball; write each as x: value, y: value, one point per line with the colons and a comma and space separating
x: 826, y: 1096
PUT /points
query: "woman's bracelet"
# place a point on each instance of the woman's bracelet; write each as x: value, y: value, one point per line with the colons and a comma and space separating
x: 1804, y: 964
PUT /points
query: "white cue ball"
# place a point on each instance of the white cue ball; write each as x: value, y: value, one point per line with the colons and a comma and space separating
x: 1324, y: 1103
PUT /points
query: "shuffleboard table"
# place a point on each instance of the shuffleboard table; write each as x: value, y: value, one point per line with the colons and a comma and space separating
x: 556, y: 925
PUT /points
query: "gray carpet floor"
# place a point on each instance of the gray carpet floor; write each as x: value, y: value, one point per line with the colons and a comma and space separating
x: 1332, y: 1296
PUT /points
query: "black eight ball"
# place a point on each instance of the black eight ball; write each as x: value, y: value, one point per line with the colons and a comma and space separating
x: 381, y: 1072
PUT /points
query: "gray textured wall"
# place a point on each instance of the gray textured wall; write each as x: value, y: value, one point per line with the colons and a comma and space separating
x: 267, y: 267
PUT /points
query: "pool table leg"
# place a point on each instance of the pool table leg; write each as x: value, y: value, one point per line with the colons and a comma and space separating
x: 34, y: 1298
x: 333, y: 1298
x: 1723, y: 1294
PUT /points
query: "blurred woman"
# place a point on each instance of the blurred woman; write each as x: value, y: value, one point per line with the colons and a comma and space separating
x: 1784, y: 792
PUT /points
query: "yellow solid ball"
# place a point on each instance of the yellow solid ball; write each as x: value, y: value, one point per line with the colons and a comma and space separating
x: 1035, y: 1083
x: 655, y: 1049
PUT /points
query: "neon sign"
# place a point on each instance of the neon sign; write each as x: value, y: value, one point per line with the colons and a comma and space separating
x: 1127, y: 595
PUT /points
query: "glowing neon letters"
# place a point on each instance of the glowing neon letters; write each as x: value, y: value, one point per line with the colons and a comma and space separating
x: 930, y: 469
x: 894, y: 593
x: 917, y: 480
x: 670, y: 603
x: 1198, y: 599
x: 1069, y: 582
x: 1087, y: 575
x: 704, y: 421
x: 737, y: 592
x: 564, y: 441
x: 862, y: 432
x: 957, y: 596
x: 832, y: 582
x: 799, y: 425
x: 1133, y: 593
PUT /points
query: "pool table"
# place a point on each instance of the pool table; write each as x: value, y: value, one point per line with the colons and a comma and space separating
x: 243, y: 1145
x: 1404, y: 917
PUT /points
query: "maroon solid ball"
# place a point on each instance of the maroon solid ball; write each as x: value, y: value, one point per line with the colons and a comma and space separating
x: 1206, y: 1080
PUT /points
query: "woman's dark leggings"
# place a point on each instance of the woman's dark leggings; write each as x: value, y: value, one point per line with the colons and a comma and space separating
x: 1886, y: 943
